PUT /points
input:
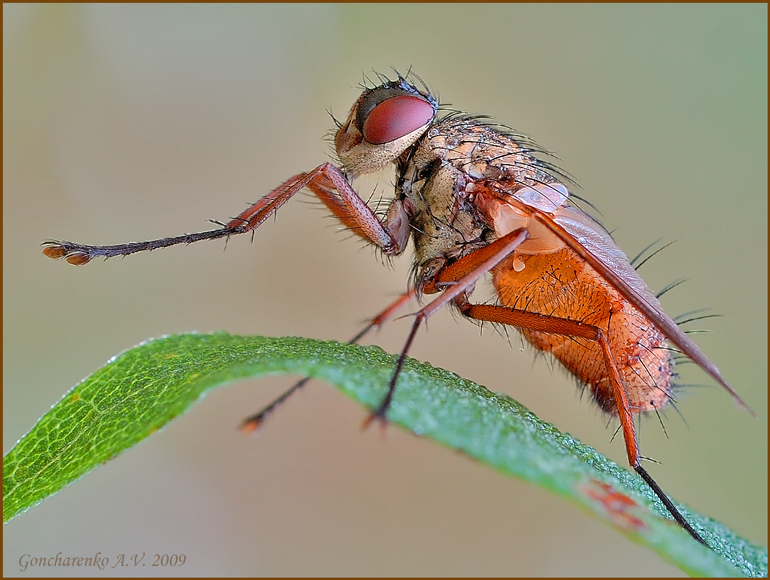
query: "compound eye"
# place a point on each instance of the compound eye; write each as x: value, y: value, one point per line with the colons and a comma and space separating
x: 396, y: 117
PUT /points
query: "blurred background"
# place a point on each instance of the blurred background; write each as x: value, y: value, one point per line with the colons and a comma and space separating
x: 132, y: 122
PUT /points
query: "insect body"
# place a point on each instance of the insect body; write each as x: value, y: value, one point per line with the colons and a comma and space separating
x: 475, y: 199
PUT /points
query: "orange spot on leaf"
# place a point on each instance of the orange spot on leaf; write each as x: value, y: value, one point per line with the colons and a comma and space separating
x: 617, y: 505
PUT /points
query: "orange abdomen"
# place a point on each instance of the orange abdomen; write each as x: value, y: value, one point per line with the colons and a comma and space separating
x: 560, y: 284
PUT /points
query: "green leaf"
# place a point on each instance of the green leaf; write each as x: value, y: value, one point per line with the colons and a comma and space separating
x: 142, y: 389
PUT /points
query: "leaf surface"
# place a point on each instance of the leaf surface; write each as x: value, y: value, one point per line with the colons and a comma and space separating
x: 139, y: 391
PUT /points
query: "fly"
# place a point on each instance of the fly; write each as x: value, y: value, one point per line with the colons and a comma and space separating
x: 475, y: 199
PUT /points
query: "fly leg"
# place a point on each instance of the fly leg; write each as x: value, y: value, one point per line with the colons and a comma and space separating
x: 253, y: 422
x: 472, y: 267
x: 327, y: 181
x: 553, y: 325
x: 332, y: 187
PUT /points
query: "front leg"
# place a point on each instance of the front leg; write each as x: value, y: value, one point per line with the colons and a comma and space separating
x: 332, y: 187
x: 328, y: 182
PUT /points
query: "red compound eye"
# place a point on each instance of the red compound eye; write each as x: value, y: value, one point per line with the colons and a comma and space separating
x: 395, y: 117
